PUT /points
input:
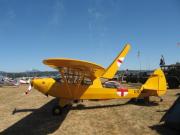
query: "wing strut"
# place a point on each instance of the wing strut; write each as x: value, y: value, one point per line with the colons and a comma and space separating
x: 65, y: 81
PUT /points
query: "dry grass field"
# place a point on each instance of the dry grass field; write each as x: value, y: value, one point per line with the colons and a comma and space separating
x: 31, y: 114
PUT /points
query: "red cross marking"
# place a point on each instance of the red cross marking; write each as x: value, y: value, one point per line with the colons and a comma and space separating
x: 122, y: 90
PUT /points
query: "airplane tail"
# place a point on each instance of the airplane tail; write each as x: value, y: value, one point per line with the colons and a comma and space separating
x: 112, y: 69
x: 155, y: 85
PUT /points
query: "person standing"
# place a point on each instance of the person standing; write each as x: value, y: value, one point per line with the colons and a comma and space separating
x: 162, y: 61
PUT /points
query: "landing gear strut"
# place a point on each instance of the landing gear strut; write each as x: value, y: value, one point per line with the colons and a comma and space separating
x: 161, y: 99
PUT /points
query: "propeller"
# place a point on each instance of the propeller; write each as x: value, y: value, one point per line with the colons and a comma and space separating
x: 29, y: 87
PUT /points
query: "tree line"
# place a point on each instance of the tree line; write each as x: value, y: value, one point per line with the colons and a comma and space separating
x: 29, y: 74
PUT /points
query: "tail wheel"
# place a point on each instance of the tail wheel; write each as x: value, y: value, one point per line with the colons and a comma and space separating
x: 143, y: 100
x: 57, y: 110
x: 146, y: 100
x: 161, y: 100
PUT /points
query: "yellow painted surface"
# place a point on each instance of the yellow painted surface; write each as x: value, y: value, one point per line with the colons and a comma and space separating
x: 83, y: 92
x: 91, y: 69
x: 69, y: 90
x: 154, y: 86
x: 112, y: 69
x: 156, y: 83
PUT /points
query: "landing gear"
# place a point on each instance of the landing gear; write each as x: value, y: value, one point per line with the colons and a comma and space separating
x: 63, y: 104
x: 144, y: 100
x: 161, y: 99
x: 57, y: 110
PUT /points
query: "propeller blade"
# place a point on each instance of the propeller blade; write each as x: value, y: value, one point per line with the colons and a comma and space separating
x: 29, y: 87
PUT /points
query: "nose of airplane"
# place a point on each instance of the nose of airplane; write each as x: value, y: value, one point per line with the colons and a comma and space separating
x: 43, y: 84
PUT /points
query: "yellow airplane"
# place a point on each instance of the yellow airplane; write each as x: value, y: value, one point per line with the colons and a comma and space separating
x: 81, y: 80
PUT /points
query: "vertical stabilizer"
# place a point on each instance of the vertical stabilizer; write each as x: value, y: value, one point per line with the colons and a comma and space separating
x: 156, y: 83
x: 112, y: 69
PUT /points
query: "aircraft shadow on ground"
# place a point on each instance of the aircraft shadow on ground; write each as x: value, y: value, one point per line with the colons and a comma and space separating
x: 42, y: 122
x: 83, y: 107
x: 142, y: 103
x: 39, y: 122
x: 164, y: 130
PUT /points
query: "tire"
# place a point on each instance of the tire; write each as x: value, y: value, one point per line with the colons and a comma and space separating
x: 57, y: 110
x: 140, y: 100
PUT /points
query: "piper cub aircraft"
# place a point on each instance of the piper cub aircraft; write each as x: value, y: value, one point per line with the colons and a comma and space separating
x: 81, y: 80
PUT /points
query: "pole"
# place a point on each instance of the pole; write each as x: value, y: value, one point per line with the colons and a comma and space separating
x: 138, y: 56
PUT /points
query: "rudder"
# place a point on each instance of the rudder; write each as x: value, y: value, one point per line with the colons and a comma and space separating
x: 156, y: 83
x: 112, y: 69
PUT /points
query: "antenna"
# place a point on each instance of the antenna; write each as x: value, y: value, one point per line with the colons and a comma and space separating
x: 178, y: 45
x: 138, y: 56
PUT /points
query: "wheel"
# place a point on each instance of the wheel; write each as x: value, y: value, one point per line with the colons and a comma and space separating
x: 161, y: 100
x: 141, y: 100
x: 57, y: 110
x: 146, y: 100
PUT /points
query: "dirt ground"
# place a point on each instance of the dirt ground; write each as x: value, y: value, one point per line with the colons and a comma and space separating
x: 31, y: 114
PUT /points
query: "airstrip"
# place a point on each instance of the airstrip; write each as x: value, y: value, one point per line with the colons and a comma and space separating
x: 31, y: 114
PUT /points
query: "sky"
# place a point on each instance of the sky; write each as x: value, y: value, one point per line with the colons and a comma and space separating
x: 91, y: 30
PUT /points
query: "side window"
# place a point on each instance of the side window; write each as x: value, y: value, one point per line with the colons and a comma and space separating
x: 58, y: 78
x: 73, y: 76
x: 70, y: 79
x: 109, y: 85
x: 86, y: 81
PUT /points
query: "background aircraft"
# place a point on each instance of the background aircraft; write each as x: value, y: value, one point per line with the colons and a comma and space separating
x: 6, y: 81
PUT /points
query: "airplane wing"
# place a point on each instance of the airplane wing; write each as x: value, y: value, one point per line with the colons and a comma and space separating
x: 89, y: 69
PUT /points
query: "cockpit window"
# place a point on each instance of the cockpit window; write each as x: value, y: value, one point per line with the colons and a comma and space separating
x: 73, y: 76
x: 112, y: 84
x: 86, y: 81
x: 73, y: 79
x: 58, y: 78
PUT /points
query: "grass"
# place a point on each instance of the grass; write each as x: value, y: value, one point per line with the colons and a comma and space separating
x: 31, y: 114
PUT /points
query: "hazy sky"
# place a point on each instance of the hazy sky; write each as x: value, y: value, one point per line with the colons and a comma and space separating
x: 91, y: 30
